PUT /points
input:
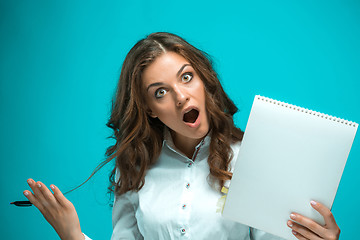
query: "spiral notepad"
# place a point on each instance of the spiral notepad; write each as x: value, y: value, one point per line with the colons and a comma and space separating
x: 289, y: 156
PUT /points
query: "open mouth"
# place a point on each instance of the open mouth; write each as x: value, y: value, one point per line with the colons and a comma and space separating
x: 191, y: 116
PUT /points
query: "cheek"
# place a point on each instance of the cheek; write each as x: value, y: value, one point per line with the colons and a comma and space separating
x: 200, y: 87
x: 201, y: 92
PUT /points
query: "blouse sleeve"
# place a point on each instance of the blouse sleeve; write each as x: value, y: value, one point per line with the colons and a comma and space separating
x: 256, y: 234
x: 123, y: 217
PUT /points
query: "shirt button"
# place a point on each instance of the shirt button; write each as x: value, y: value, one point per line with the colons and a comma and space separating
x: 184, y: 206
x: 183, y: 231
x: 190, y: 164
x: 188, y: 185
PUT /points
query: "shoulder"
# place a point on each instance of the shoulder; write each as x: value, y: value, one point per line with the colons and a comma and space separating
x: 235, y: 147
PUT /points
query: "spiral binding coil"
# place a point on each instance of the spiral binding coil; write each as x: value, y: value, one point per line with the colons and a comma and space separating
x: 305, y: 110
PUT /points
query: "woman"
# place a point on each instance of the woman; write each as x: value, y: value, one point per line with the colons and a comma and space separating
x: 175, y: 141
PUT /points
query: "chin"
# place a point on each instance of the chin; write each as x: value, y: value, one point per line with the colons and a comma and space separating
x: 202, y: 133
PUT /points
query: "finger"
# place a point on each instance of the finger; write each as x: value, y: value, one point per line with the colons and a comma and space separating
x: 35, y: 188
x: 326, y: 213
x: 302, y: 232
x: 48, y: 196
x: 307, y: 223
x: 33, y: 200
x: 42, y: 194
x: 298, y: 235
x: 59, y: 196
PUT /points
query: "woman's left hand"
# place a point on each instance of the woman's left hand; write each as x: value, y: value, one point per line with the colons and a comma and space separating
x: 306, y: 228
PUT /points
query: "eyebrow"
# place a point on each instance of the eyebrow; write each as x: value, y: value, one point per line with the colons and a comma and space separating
x: 154, y: 85
x: 161, y: 83
x: 182, y: 68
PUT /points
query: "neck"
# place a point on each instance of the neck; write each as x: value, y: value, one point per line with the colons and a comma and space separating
x: 184, y: 144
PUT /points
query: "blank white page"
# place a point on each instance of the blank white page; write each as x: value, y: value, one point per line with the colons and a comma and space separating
x: 288, y: 157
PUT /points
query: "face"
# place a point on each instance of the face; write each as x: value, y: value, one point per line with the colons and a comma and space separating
x: 176, y: 95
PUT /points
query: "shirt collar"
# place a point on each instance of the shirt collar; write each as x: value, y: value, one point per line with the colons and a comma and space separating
x: 168, y: 141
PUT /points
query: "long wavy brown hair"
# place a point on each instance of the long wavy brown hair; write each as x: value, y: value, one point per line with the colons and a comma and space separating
x: 139, y: 137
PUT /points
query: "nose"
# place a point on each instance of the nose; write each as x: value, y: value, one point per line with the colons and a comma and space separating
x: 181, y: 96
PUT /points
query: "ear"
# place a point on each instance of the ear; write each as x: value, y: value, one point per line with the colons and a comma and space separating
x: 150, y: 113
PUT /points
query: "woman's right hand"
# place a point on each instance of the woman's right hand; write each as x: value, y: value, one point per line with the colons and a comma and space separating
x: 56, y: 209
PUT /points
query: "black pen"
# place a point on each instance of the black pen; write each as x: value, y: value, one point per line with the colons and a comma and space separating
x: 22, y: 203
x: 28, y: 203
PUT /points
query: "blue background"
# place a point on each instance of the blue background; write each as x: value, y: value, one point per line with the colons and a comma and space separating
x: 60, y: 62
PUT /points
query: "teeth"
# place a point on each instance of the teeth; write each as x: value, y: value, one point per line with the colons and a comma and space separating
x: 188, y: 111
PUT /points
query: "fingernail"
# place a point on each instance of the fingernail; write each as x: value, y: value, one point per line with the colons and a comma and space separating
x: 290, y: 224
x: 52, y: 186
x: 26, y: 193
x: 29, y: 181
x: 292, y: 216
x: 294, y: 232
x: 39, y: 185
x: 312, y: 202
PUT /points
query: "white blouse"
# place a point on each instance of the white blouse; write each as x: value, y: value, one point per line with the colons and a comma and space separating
x: 178, y: 202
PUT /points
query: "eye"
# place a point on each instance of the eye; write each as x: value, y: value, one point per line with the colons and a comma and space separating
x: 186, y: 77
x: 159, y: 93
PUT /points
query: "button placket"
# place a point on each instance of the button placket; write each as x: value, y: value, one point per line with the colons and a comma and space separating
x: 187, y: 186
x: 186, y: 199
